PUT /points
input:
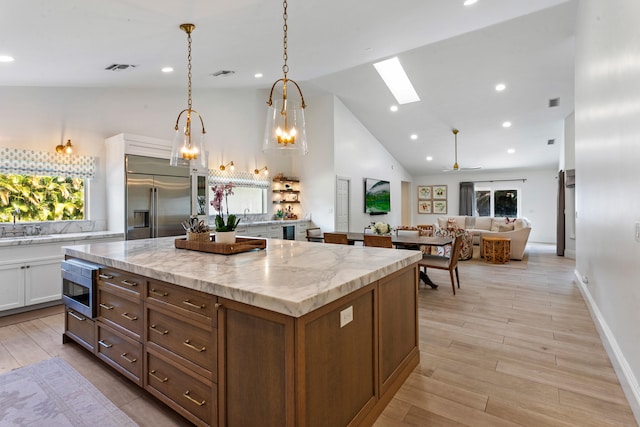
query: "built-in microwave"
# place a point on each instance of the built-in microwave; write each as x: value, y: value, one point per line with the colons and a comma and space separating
x: 79, y: 286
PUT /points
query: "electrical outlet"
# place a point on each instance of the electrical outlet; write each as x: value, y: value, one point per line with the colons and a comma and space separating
x: 637, y: 233
x: 346, y: 316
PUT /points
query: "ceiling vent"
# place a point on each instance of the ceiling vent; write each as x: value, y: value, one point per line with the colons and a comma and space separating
x: 551, y: 141
x: 119, y: 67
x: 554, y: 102
x: 223, y: 73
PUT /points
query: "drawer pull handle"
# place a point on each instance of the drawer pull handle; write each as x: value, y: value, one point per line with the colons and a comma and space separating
x: 105, y: 276
x: 75, y: 316
x: 218, y: 306
x: 198, y: 349
x: 152, y: 374
x: 126, y: 316
x: 104, y: 344
x: 188, y: 396
x: 128, y: 283
x: 128, y: 359
x: 158, y: 293
x: 190, y: 304
x: 158, y: 331
x: 106, y: 307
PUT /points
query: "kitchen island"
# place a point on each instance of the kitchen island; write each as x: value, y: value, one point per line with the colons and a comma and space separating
x: 297, y: 334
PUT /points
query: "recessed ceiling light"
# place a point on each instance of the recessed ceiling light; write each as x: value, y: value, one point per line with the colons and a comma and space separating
x: 167, y: 69
x: 500, y: 87
x: 429, y: 158
x: 506, y: 124
x: 470, y: 2
x: 257, y: 75
x: 6, y: 58
x: 397, y: 80
x: 393, y: 108
x: 414, y: 136
x: 511, y: 151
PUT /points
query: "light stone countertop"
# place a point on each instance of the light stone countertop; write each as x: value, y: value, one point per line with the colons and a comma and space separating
x: 55, y: 238
x: 288, y: 277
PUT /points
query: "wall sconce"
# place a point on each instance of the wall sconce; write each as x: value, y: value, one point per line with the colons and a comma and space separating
x: 229, y: 165
x: 64, y: 148
x: 263, y: 170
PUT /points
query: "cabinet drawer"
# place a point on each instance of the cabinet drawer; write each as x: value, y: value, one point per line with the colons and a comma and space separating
x: 182, y: 298
x: 191, y: 393
x: 195, y: 344
x: 120, y: 352
x: 129, y: 283
x: 81, y: 329
x: 121, y: 313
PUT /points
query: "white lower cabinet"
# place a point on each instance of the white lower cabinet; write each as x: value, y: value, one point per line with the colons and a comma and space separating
x: 28, y: 283
x: 43, y: 281
x: 12, y: 285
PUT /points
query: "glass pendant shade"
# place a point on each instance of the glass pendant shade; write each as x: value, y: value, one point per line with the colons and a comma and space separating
x: 188, y: 146
x: 285, y: 128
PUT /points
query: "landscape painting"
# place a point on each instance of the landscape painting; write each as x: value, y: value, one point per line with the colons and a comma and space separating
x: 377, y: 196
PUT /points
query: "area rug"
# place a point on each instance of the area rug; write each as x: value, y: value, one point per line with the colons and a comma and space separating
x: 52, y: 393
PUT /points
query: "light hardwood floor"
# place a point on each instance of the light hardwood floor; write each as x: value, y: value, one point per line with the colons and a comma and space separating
x: 515, y: 346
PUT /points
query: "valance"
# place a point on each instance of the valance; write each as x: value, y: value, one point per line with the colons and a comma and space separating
x: 39, y: 163
x: 240, y: 179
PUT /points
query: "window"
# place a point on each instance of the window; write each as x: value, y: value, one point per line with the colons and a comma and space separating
x: 497, y: 202
x: 41, y: 198
x: 43, y: 186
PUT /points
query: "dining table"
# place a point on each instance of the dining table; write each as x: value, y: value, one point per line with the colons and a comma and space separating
x: 408, y: 240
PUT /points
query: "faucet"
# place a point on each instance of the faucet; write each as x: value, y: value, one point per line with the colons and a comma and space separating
x: 244, y: 213
x: 15, y: 213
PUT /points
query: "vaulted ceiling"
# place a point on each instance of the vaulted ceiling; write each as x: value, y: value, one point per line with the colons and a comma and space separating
x: 453, y: 54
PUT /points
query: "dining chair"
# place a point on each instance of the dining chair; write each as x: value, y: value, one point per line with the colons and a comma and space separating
x: 407, y: 231
x: 444, y: 263
x: 338, y: 238
x: 425, y: 229
x: 314, y: 234
x: 377, y: 241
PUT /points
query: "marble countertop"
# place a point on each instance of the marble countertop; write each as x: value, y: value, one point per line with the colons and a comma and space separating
x: 288, y: 277
x: 272, y: 221
x: 55, y: 238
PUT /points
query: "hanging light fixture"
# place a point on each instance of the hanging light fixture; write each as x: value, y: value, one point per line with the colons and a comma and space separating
x: 64, y: 148
x: 285, y: 129
x: 185, y: 146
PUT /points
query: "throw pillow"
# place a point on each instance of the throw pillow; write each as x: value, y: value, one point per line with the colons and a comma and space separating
x: 505, y: 227
x: 508, y: 220
x: 495, y: 226
x: 452, y: 224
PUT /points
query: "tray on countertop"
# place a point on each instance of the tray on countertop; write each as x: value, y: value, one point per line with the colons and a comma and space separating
x: 242, y: 244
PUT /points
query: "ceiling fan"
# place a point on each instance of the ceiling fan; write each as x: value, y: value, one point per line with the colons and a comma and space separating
x: 455, y: 164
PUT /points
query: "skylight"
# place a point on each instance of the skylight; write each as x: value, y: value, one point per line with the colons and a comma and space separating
x: 397, y: 81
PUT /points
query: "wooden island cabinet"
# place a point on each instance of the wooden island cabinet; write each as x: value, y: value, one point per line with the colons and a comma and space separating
x: 220, y: 354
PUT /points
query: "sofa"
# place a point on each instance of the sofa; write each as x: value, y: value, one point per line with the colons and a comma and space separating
x: 517, y: 230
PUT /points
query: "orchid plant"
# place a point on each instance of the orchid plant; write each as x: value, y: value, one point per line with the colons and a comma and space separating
x: 221, y: 191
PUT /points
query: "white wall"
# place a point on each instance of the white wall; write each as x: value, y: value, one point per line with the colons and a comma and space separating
x: 41, y: 118
x: 538, y: 196
x: 570, y: 193
x: 359, y: 155
x: 607, y: 175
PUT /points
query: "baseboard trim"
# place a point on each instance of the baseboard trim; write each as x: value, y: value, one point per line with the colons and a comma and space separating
x: 627, y: 379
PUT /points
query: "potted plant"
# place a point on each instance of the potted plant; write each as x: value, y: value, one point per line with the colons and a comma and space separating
x: 225, y: 229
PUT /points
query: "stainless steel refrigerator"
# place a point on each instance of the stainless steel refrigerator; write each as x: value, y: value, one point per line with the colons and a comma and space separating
x: 158, y: 197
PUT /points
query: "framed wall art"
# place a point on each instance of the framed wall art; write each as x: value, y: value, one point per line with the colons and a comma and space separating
x: 424, y: 192
x: 440, y: 192
x: 424, y: 206
x: 439, y: 206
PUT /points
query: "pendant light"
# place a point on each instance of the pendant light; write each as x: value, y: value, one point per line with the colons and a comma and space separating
x: 186, y: 146
x: 285, y: 128
x: 64, y: 148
